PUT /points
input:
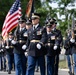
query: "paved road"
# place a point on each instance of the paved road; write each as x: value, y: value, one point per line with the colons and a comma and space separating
x: 61, y: 72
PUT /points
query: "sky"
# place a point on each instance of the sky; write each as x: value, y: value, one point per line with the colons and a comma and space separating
x: 55, y: 5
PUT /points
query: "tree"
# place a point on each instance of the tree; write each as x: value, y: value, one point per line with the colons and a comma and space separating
x: 4, y: 8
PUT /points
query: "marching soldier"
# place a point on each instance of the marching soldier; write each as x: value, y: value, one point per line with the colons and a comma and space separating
x: 35, y: 44
x: 58, y: 44
x: 50, y: 51
x: 9, y: 52
x: 53, y: 47
x: 18, y: 42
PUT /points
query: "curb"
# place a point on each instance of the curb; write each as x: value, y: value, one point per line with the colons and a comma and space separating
x: 64, y: 69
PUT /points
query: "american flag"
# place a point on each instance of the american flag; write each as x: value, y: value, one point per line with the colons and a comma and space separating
x: 11, y: 20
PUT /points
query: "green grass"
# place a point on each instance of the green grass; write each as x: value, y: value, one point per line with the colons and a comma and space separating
x: 63, y: 64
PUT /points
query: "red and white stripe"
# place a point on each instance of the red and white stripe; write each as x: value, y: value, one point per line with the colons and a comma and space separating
x: 11, y: 21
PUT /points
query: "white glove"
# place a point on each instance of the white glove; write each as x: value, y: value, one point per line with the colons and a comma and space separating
x: 7, y: 47
x: 55, y: 47
x: 1, y: 50
x: 72, y: 40
x: 38, y: 46
x: 24, y: 47
x: 13, y: 42
x: 26, y: 54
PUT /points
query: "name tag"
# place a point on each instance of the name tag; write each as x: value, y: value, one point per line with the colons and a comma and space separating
x: 52, y: 37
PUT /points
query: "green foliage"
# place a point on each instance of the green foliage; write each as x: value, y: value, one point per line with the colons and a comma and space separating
x: 43, y: 14
x: 4, y: 8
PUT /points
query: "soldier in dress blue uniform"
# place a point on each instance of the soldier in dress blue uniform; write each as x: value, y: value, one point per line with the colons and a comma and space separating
x: 18, y: 42
x: 50, y: 58
x: 35, y: 44
x: 57, y: 38
x: 9, y: 52
x: 58, y: 44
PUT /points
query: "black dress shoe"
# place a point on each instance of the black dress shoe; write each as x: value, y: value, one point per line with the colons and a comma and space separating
x: 9, y: 72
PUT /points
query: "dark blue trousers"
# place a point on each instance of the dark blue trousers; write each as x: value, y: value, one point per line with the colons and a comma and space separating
x: 56, y: 65
x: 10, y: 59
x: 32, y: 63
x: 20, y: 64
x: 50, y: 64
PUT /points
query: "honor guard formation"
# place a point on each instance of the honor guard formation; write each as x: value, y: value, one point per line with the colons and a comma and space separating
x: 35, y: 47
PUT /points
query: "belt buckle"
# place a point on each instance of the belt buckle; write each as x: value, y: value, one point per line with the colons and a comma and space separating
x: 11, y: 46
x: 32, y: 40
